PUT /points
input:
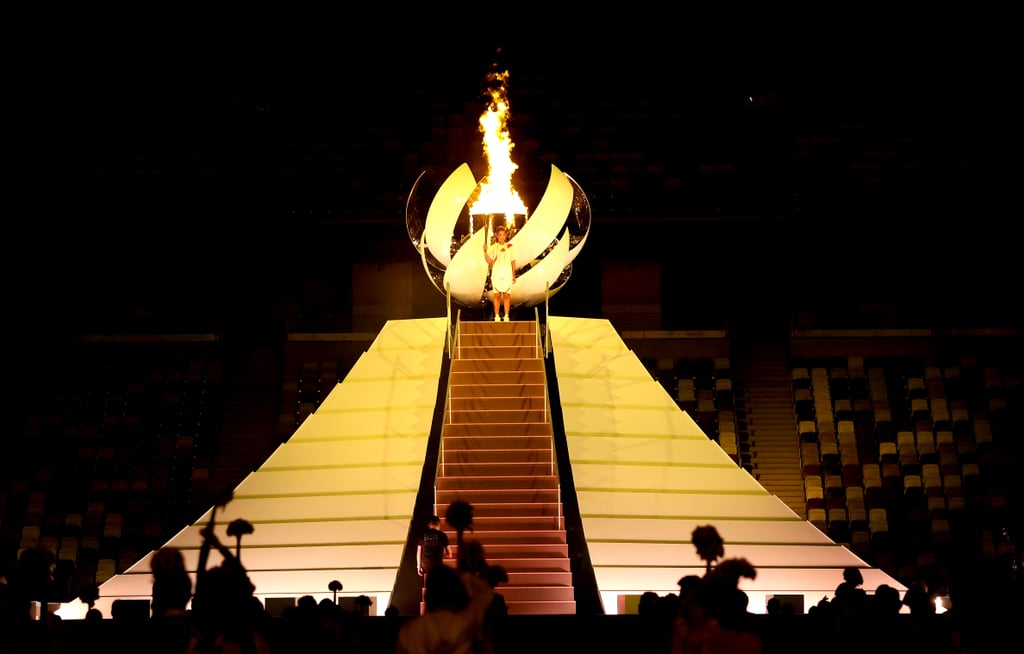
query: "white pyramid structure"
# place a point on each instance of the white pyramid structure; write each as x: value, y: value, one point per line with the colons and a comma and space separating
x: 646, y: 476
x: 335, y: 502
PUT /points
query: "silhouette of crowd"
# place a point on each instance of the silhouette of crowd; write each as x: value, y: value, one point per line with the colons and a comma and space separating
x: 463, y: 611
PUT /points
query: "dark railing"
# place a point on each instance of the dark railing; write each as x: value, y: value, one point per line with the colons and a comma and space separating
x: 407, y: 591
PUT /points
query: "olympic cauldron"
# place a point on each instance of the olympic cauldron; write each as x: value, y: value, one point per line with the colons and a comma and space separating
x: 450, y: 240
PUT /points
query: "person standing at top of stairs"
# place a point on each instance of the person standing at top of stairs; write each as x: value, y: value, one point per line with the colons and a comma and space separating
x: 501, y: 259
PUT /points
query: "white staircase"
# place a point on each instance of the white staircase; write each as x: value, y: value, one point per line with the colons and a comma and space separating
x: 497, y: 454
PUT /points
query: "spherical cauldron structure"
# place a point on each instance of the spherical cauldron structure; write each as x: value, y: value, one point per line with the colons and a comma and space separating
x: 450, y: 240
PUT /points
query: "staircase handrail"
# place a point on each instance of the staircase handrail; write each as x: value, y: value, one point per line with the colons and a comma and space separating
x: 537, y: 353
x: 448, y: 400
x: 536, y: 333
x: 547, y: 313
x: 448, y: 319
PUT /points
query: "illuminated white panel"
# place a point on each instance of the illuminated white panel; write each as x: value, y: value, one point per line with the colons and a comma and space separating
x: 685, y: 554
x: 643, y: 449
x: 336, y: 500
x: 444, y: 212
x: 356, y: 504
x: 345, y: 451
x: 547, y: 221
x: 680, y: 530
x: 695, y: 505
x: 311, y: 480
x: 323, y: 532
x: 466, y: 275
x: 538, y: 279
x: 667, y: 479
x: 646, y: 476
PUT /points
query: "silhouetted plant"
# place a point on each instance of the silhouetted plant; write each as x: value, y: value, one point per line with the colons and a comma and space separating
x: 459, y: 516
x: 238, y: 528
x: 729, y: 571
x: 709, y: 546
x: 335, y: 587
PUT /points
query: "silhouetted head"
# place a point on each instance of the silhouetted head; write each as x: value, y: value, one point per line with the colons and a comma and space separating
x: 853, y: 576
x: 444, y: 590
x: 887, y: 599
x: 688, y: 584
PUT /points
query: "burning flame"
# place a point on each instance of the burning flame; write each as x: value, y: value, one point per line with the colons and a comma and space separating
x: 496, y: 193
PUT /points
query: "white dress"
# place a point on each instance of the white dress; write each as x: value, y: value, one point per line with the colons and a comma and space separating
x: 503, y: 255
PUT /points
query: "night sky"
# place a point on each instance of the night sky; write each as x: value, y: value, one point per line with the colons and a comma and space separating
x: 862, y: 158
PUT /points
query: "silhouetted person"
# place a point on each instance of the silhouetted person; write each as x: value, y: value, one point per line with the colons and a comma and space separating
x: 452, y: 621
x: 708, y: 623
x: 886, y: 631
x: 471, y: 564
x: 851, y: 586
x: 363, y: 604
x: 433, y: 547
x: 171, y: 628
x: 28, y: 580
x: 172, y: 585
x: 781, y: 633
x: 225, y: 608
x: 656, y: 614
x: 303, y: 626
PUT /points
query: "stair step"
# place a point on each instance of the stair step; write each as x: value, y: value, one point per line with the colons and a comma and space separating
x: 537, y: 593
x: 497, y: 483
x: 500, y: 469
x: 779, y: 471
x: 773, y: 437
x: 781, y: 463
x: 536, y: 553
x: 488, y: 364
x: 778, y: 487
x: 516, y: 509
x: 507, y: 403
x: 484, y: 362
x: 491, y: 327
x: 504, y: 455
x: 534, y: 566
x: 533, y: 607
x: 497, y: 390
x: 484, y: 524
x: 509, y: 430
x: 498, y: 538
x: 779, y: 474
x: 496, y: 495
x: 774, y: 456
x: 514, y: 347
x: 554, y: 607
x: 532, y: 579
x: 774, y: 445
x: 478, y: 378
x: 495, y: 440
x: 462, y: 416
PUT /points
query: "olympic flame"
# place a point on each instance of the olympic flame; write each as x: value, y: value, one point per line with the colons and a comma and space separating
x: 497, y: 196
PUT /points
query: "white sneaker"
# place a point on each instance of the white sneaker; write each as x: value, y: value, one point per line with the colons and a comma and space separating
x: 504, y: 319
x: 497, y: 318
